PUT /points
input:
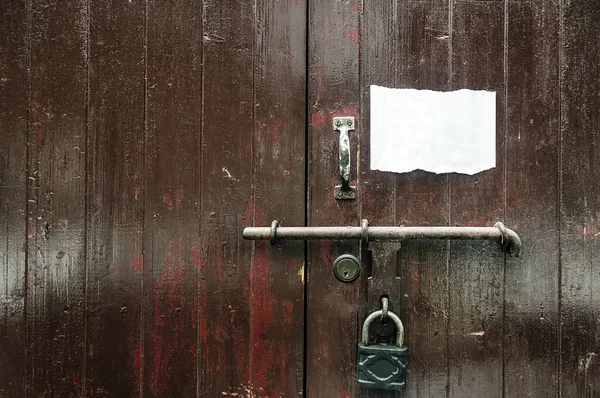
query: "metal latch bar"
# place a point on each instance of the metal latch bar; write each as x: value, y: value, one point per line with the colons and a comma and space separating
x: 509, y: 239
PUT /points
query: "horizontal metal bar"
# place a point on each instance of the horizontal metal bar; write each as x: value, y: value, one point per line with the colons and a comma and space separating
x: 508, y: 238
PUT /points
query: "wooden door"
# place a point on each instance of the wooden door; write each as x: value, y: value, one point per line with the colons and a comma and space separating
x: 478, y: 324
x: 138, y: 138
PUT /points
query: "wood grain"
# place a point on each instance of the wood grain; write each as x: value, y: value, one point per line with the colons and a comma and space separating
x: 422, y: 199
x: 225, y: 305
x: 14, y: 108
x: 56, y: 273
x: 138, y: 139
x: 476, y: 269
x: 579, y: 202
x: 532, y: 145
x: 278, y: 178
x: 172, y: 195
x: 115, y: 186
x: 333, y: 90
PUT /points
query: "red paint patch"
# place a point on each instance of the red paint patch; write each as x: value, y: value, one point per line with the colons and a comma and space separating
x: 63, y: 224
x: 138, y: 263
x: 137, y: 363
x: 196, y: 255
x: 590, y: 230
x: 326, y: 251
x: 262, y: 305
x: 287, y: 315
x: 274, y: 132
x: 416, y: 280
x: 353, y: 34
x: 318, y: 120
x: 348, y: 110
x: 292, y: 266
x: 169, y: 325
x: 219, y: 334
x: 344, y: 393
x: 168, y: 199
x: 356, y: 8
x: 195, y: 312
x: 203, y: 329
x: 137, y: 193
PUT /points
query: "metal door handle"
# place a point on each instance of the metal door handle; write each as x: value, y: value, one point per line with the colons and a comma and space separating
x: 344, y: 191
x: 510, y: 241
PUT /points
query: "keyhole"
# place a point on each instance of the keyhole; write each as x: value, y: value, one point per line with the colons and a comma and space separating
x: 345, y: 274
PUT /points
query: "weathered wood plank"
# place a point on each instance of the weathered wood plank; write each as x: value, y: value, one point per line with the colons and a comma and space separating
x: 580, y: 201
x: 333, y: 90
x: 225, y: 306
x: 56, y: 174
x: 422, y: 199
x: 277, y: 272
x: 476, y: 269
x: 13, y: 194
x: 172, y: 194
x: 532, y: 144
x: 377, y: 194
x: 115, y: 214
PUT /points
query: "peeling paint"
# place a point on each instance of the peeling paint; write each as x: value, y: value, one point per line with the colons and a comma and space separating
x: 318, y: 120
x: 301, y: 273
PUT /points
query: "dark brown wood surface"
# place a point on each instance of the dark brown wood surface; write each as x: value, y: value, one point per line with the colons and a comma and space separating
x: 138, y: 138
x: 532, y: 295
x: 56, y: 172
x: 115, y: 188
x: 14, y: 111
x: 333, y: 90
x: 579, y: 200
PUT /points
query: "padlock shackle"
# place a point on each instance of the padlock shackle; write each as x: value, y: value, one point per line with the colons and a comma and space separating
x: 393, y: 317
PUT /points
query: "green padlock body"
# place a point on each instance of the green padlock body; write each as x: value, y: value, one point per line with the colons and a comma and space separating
x: 382, y: 366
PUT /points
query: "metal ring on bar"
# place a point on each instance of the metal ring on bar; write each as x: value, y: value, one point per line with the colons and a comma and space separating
x: 273, y: 236
x: 364, y: 224
x: 503, y: 232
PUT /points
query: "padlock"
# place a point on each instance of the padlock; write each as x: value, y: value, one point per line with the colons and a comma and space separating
x: 382, y: 366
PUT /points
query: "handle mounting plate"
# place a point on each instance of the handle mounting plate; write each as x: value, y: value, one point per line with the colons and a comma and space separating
x: 344, y: 191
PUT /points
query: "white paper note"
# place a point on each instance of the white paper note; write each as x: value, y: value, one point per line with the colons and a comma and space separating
x: 441, y: 132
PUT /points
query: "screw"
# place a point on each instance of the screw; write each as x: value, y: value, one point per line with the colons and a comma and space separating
x: 338, y: 123
x: 349, y: 123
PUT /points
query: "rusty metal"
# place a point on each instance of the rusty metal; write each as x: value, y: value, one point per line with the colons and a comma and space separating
x: 510, y: 241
